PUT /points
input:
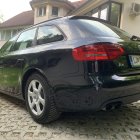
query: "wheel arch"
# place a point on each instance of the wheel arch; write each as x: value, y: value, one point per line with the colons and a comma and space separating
x: 26, y: 75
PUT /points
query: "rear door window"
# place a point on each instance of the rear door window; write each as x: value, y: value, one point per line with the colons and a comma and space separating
x: 48, y: 34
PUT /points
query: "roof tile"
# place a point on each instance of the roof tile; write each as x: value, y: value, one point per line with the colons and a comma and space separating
x: 79, y: 3
x: 22, y: 19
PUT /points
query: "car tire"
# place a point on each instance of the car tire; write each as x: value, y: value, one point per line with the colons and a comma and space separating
x: 40, y: 100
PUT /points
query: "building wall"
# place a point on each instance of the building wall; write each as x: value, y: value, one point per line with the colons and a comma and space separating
x: 38, y: 19
x: 130, y: 23
x: 62, y: 12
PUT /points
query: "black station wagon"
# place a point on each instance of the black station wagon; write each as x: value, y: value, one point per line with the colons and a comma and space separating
x: 73, y: 63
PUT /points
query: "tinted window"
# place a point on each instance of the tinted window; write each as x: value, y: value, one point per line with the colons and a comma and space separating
x: 48, y: 34
x: 97, y: 28
x: 95, y: 13
x: 24, y: 41
x: 101, y: 29
x: 7, y: 46
x: 120, y: 32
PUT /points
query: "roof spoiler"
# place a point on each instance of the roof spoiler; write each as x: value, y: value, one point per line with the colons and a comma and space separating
x: 90, y: 18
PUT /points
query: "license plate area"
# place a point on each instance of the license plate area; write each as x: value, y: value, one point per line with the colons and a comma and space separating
x: 134, y: 60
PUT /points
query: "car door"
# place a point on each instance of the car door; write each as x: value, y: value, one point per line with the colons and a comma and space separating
x: 13, y: 62
x: 3, y: 52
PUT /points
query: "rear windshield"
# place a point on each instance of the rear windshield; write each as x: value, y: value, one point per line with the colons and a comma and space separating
x: 102, y: 29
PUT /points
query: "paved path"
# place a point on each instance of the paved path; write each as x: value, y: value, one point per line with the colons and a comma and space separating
x: 16, y: 124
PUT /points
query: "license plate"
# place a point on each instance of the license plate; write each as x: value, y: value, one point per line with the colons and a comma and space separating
x: 135, y: 60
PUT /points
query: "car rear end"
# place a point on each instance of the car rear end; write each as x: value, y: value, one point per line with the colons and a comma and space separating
x: 111, y: 64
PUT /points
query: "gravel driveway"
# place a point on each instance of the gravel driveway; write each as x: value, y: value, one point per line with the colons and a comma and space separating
x: 16, y: 124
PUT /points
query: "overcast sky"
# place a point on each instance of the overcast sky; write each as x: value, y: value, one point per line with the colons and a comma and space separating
x: 10, y: 8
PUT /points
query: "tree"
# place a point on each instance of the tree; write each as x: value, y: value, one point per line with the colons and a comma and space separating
x: 1, y: 18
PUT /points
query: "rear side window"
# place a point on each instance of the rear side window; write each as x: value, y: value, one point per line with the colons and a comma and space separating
x: 25, y: 40
x: 48, y: 34
x: 101, y: 29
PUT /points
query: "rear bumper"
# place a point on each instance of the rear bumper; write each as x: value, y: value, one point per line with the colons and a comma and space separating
x: 89, y: 97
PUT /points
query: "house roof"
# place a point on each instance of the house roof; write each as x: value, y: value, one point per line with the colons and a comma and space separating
x: 80, y: 7
x: 77, y: 4
x: 66, y: 2
x: 27, y: 18
x: 23, y: 19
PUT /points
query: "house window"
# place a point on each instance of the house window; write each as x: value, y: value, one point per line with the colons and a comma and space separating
x: 14, y: 32
x: 104, y: 12
x: 7, y: 34
x: 2, y: 32
x: 41, y: 11
x: 115, y: 14
x: 55, y: 11
x: 110, y: 11
x: 95, y: 13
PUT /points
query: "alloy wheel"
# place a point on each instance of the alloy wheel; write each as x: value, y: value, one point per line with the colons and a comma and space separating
x: 36, y: 97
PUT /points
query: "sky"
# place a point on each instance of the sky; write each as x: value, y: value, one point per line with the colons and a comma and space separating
x: 10, y: 8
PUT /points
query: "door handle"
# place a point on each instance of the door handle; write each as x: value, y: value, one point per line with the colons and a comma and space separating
x: 20, y: 60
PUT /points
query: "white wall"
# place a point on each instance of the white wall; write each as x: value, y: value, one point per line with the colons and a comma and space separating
x: 62, y: 12
x: 129, y: 23
x: 2, y: 43
x: 38, y: 19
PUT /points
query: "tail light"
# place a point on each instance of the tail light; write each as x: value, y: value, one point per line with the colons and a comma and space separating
x: 104, y: 51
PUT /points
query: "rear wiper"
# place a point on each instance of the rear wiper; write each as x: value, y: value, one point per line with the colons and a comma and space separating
x: 135, y: 38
